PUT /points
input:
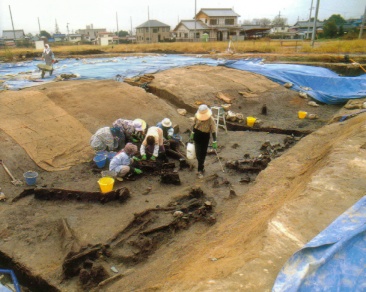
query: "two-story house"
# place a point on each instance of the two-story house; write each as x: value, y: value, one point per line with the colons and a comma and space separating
x: 152, y: 31
x: 220, y: 24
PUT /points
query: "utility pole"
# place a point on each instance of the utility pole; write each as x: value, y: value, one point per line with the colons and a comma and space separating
x: 131, y: 25
x: 117, y: 21
x: 362, y: 24
x: 311, y: 8
x: 315, y: 19
x: 148, y: 20
x: 117, y: 27
x: 39, y: 26
x: 195, y: 21
x: 68, y: 34
x: 11, y: 17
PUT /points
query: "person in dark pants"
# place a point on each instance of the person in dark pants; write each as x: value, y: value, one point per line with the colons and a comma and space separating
x: 204, y: 125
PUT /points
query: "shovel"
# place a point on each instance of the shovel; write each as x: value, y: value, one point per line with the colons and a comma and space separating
x: 218, y: 158
x: 14, y: 181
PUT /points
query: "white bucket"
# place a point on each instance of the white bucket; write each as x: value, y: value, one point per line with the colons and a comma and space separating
x: 191, y: 151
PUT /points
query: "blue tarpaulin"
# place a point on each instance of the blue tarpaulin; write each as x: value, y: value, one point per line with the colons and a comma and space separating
x: 335, y: 260
x: 26, y: 74
x: 320, y: 83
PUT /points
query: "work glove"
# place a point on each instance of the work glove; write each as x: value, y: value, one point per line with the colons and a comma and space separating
x: 169, y: 137
x: 136, y: 158
x: 143, y: 157
x: 214, y: 145
x: 134, y: 140
x: 138, y: 171
x: 153, y: 158
x: 192, y: 136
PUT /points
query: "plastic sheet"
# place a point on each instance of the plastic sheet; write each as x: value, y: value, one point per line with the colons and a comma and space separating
x: 25, y: 74
x: 335, y: 260
x: 320, y: 83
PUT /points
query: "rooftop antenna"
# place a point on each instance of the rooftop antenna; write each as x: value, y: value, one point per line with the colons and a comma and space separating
x: 68, y: 34
x: 11, y: 17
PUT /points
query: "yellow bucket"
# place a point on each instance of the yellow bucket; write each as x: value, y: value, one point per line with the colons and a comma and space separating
x: 302, y: 115
x: 106, y: 184
x: 251, y: 121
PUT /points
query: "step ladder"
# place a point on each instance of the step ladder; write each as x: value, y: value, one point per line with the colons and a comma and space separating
x: 218, y: 113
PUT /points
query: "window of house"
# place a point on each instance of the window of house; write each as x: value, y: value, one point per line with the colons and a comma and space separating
x: 186, y: 35
x: 213, y: 21
x: 229, y: 21
x: 155, y: 30
x: 147, y: 29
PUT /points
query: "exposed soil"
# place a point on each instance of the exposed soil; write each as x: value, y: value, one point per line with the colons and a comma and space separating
x: 281, y: 183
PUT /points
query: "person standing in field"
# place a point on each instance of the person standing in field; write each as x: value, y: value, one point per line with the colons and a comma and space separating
x: 48, y: 57
x: 203, y: 126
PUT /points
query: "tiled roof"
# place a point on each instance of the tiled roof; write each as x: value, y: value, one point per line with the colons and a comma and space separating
x: 189, y: 24
x: 152, y: 23
x: 218, y: 12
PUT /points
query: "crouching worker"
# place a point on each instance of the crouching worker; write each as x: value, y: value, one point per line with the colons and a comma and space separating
x: 122, y: 162
x: 153, y: 145
x: 107, y: 139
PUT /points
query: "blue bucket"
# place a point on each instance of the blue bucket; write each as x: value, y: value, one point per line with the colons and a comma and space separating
x: 30, y: 177
x: 100, y: 160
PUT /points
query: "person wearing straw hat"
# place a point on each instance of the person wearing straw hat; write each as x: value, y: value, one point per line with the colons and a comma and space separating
x: 123, y: 161
x: 153, y: 145
x: 203, y: 126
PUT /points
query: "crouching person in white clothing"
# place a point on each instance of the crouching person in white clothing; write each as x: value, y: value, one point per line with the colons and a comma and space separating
x: 122, y: 162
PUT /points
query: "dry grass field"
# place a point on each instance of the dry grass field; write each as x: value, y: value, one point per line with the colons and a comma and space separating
x: 263, y: 46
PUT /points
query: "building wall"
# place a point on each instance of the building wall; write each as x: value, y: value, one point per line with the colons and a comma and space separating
x: 143, y: 34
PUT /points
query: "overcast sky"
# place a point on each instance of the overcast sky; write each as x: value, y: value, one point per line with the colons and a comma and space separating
x: 103, y: 14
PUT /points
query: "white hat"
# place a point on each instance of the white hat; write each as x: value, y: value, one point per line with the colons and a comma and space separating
x: 203, y: 113
x: 137, y: 125
x: 166, y: 123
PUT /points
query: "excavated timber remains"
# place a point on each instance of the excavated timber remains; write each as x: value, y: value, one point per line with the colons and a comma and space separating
x: 139, y: 239
x: 257, y: 164
x: 121, y: 195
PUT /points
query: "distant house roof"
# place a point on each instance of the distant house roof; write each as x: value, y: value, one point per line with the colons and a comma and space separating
x: 189, y: 24
x: 59, y: 35
x: 9, y: 34
x: 218, y: 12
x: 308, y: 23
x: 153, y: 23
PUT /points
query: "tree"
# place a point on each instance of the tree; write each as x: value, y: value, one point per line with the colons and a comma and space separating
x: 45, y: 34
x: 279, y: 21
x: 122, y: 33
x: 330, y: 29
x: 337, y: 19
x: 341, y: 31
x: 57, y: 30
x: 266, y: 21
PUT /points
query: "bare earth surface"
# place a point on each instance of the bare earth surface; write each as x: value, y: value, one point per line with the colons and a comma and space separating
x: 239, y: 244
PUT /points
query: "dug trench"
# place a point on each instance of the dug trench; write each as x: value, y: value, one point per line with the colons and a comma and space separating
x: 65, y: 237
x: 147, y: 232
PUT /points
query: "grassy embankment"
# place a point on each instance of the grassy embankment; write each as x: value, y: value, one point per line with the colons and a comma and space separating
x: 275, y: 47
